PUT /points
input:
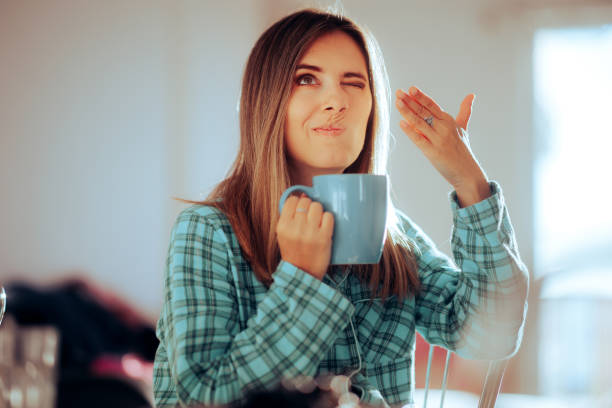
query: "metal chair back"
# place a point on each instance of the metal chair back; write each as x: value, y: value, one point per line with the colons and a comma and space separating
x: 490, y: 388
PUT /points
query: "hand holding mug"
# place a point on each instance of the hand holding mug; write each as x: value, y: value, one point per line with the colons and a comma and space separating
x: 304, y: 233
x: 357, y: 204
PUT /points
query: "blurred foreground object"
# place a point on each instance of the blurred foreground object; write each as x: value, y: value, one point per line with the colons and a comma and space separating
x: 2, y: 303
x: 105, y: 355
x: 28, y: 365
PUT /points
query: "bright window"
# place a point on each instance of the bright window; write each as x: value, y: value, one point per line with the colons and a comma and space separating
x: 573, y: 169
x: 573, y: 208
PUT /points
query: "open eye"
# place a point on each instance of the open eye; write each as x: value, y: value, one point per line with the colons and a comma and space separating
x: 307, y: 77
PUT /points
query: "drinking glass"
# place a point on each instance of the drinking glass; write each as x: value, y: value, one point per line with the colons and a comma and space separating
x: 2, y: 302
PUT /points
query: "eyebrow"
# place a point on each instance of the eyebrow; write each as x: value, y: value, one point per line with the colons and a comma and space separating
x: 318, y: 69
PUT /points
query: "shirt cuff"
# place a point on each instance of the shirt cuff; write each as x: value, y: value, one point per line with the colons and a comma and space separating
x: 299, y: 284
x: 484, y: 215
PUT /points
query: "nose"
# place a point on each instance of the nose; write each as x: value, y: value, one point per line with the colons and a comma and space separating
x: 336, y: 99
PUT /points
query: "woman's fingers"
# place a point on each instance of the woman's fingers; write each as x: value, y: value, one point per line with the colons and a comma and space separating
x: 289, y: 208
x: 315, y: 211
x: 421, y: 141
x: 301, y: 209
x: 309, y: 213
x: 327, y: 223
x: 423, y: 99
x: 414, y: 120
x: 465, y: 111
x: 416, y: 107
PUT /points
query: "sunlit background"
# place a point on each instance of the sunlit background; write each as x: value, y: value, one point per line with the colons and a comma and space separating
x: 108, y: 109
x: 573, y: 245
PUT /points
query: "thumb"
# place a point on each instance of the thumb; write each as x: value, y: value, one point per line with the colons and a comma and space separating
x: 465, y: 111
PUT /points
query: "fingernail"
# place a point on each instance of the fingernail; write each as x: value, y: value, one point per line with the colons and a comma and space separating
x: 413, y: 91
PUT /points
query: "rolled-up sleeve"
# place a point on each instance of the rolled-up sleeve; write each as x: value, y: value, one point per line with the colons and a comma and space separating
x: 476, y: 305
x: 205, y: 358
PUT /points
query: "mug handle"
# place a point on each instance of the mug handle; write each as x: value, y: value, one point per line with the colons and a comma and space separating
x: 310, y: 192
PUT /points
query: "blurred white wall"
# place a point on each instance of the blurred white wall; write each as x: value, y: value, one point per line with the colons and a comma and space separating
x: 107, y: 109
x: 83, y: 121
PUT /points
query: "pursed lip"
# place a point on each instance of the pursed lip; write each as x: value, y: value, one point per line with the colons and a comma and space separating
x: 329, y: 130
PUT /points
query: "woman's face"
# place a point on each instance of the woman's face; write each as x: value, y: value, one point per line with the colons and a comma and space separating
x: 328, y: 109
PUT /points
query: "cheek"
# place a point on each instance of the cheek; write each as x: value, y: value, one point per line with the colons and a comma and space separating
x: 290, y: 122
x: 363, y: 107
x: 289, y: 117
x: 368, y: 109
x: 294, y: 121
x: 298, y: 110
x: 364, y: 110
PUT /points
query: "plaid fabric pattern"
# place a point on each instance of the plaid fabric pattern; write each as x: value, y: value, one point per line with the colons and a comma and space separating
x: 222, y: 333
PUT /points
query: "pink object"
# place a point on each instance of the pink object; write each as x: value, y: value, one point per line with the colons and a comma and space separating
x: 127, y: 365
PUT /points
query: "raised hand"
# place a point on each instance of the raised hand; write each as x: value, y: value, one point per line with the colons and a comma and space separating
x: 444, y: 140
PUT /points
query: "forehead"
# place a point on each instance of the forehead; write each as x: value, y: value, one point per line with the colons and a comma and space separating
x: 333, y: 49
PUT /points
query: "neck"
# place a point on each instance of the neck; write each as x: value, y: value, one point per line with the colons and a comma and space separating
x: 304, y: 177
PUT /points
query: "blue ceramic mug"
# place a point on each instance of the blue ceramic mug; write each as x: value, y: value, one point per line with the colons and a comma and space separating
x: 358, y: 203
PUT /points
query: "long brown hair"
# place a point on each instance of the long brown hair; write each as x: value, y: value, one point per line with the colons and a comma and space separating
x: 249, y: 195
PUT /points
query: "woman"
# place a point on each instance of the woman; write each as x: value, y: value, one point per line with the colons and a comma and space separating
x: 250, y: 297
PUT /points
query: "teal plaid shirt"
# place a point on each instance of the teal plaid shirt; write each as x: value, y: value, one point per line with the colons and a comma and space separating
x: 222, y: 333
